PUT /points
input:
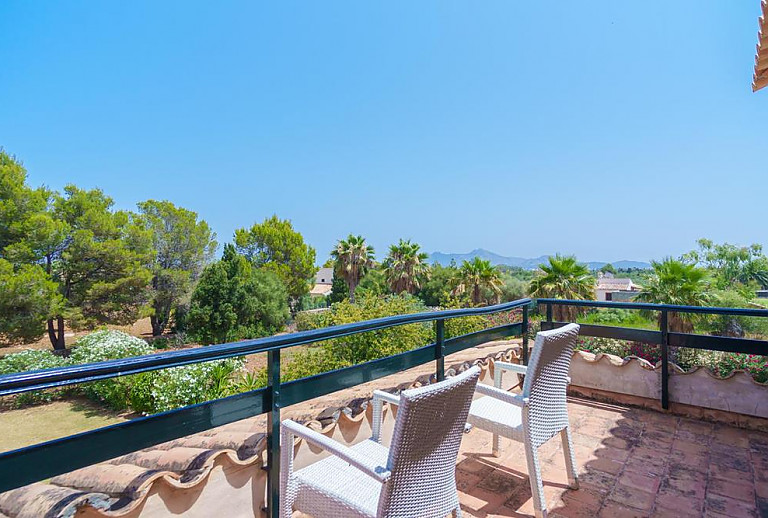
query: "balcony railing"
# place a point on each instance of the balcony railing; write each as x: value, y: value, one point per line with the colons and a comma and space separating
x: 663, y: 337
x: 31, y: 464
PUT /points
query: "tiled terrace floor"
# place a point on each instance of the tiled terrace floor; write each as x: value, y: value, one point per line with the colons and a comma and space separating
x: 631, y: 462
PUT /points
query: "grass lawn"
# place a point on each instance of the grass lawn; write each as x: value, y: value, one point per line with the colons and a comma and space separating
x: 27, y: 426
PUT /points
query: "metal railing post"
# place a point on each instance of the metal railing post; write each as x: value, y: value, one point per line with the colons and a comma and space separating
x: 273, y: 434
x: 440, y: 349
x: 549, y: 316
x: 663, y: 324
x: 525, y: 335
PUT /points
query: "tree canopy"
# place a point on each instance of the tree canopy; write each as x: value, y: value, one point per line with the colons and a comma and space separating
x: 235, y: 300
x: 353, y: 258
x: 563, y: 277
x: 405, y: 266
x: 274, y: 245
x: 474, y: 277
x: 732, y: 266
x: 183, y: 245
x: 680, y: 283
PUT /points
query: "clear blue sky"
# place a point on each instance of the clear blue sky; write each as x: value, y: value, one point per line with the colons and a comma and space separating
x: 612, y: 130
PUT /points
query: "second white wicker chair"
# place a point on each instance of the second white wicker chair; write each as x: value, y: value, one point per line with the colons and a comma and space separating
x: 416, y: 476
x: 539, y: 413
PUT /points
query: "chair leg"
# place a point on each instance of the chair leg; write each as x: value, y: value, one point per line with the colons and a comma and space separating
x: 570, y: 461
x: 534, y: 475
x: 496, y: 445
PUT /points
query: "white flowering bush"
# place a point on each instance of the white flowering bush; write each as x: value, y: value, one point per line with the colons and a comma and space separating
x: 155, y: 391
x: 32, y: 360
x: 148, y: 392
x: 181, y: 386
x: 108, y: 345
x: 117, y: 393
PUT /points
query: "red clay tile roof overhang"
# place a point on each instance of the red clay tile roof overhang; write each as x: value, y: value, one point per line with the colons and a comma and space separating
x: 760, y: 79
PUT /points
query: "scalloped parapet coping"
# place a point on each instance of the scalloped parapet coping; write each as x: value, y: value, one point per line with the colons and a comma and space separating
x: 738, y: 392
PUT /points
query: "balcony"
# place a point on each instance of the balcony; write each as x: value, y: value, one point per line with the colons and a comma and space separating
x: 636, y: 459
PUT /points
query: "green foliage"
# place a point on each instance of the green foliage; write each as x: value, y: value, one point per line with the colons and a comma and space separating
x: 608, y: 268
x: 183, y: 246
x: 275, y: 246
x: 191, y: 384
x: 436, y: 290
x: 563, y: 278
x: 479, y: 280
x: 147, y: 392
x: 731, y: 265
x: 28, y: 298
x: 353, y: 258
x: 24, y: 224
x: 354, y: 349
x: 307, y: 320
x: 676, y: 282
x: 405, y: 266
x: 339, y: 290
x: 103, y: 345
x: 31, y: 360
x: 308, y: 302
x: 235, y: 300
x: 618, y: 318
x: 596, y: 345
x: 373, y: 284
x: 512, y: 288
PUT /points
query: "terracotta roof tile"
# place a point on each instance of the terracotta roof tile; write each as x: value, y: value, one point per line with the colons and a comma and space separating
x: 112, y: 479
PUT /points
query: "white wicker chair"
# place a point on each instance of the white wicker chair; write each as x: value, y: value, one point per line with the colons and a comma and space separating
x: 416, y: 476
x: 540, y: 412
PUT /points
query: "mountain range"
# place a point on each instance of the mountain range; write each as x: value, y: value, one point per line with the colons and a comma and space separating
x: 521, y: 262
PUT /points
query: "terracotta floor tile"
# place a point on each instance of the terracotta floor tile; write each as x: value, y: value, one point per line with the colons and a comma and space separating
x: 672, y: 499
x: 646, y: 483
x: 632, y: 497
x: 729, y: 506
x: 733, y: 489
x: 613, y: 510
x: 631, y: 463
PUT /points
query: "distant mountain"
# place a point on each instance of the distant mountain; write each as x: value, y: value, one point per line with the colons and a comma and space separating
x: 519, y: 262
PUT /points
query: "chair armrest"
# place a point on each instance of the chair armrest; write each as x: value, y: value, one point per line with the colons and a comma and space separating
x: 502, y: 395
x: 386, y: 396
x: 514, y: 367
x: 361, y: 462
x: 379, y: 396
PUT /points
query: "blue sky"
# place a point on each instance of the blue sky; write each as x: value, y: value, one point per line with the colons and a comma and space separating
x: 612, y: 130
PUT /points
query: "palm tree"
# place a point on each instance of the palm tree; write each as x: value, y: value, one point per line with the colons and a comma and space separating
x: 676, y: 282
x: 476, y: 275
x: 404, y: 267
x: 563, y: 278
x: 353, y: 258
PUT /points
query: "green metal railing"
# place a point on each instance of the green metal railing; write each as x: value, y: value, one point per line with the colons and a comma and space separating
x: 663, y: 337
x: 31, y: 464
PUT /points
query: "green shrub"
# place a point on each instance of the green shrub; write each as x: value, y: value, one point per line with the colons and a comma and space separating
x: 32, y: 360
x: 307, y: 320
x: 619, y: 318
x: 235, y: 300
x: 359, y: 348
x: 190, y: 384
x: 111, y: 345
x: 155, y: 391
